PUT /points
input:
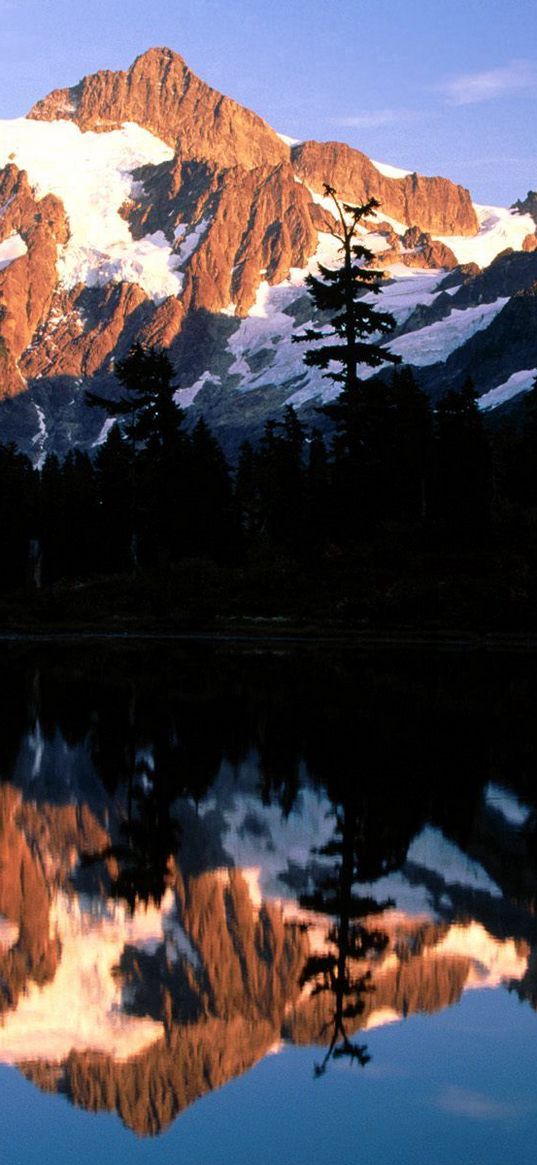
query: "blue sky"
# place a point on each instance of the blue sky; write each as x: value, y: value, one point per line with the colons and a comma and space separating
x: 445, y: 88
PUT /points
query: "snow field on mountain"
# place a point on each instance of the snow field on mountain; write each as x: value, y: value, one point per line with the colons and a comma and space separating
x: 435, y: 342
x: 92, y: 941
x: 263, y: 843
x: 432, y: 851
x: 390, y: 171
x: 517, y: 383
x: 267, y: 330
x: 492, y: 962
x: 499, y: 229
x: 9, y: 933
x: 92, y: 175
x: 11, y: 248
x: 505, y: 802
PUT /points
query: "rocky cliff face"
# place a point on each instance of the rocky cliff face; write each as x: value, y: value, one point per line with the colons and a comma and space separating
x: 435, y: 204
x: 28, y: 282
x: 160, y: 93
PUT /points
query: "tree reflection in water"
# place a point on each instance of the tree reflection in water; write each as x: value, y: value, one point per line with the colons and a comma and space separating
x: 340, y: 971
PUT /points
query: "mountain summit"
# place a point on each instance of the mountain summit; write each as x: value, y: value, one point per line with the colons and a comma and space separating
x: 144, y: 205
x: 162, y: 95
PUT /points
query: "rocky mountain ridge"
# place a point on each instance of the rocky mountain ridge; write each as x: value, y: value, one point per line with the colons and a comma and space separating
x: 192, y: 227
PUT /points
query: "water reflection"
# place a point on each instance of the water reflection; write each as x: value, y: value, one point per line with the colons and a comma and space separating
x: 207, y: 854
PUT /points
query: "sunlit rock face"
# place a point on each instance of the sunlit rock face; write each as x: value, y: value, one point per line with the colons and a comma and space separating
x: 436, y: 204
x: 143, y: 205
x: 28, y: 274
x: 160, y: 93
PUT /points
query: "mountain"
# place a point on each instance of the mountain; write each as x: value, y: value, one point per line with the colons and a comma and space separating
x: 144, y: 205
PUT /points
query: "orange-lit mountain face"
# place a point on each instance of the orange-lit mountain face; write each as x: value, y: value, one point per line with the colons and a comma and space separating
x: 143, y: 205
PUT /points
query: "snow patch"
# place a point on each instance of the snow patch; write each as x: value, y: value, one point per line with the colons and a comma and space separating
x: 9, y: 934
x: 289, y: 141
x: 184, y: 397
x: 435, y: 342
x: 390, y: 171
x: 519, y: 382
x: 12, y: 248
x: 506, y: 803
x: 499, y: 229
x: 92, y: 175
x: 103, y: 435
x: 433, y: 851
x: 189, y: 240
x: 263, y: 844
x: 381, y: 1017
x: 494, y: 962
x: 82, y: 1007
x: 39, y: 439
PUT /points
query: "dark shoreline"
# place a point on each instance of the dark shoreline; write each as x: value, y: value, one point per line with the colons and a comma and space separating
x: 362, y: 640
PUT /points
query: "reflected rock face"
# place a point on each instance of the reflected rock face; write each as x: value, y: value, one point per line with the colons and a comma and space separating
x: 143, y: 1011
x: 161, y: 838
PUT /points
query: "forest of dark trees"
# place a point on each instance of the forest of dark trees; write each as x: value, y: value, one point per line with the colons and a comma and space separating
x: 387, y: 490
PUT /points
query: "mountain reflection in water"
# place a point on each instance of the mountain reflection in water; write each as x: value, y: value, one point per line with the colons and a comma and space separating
x: 207, y: 854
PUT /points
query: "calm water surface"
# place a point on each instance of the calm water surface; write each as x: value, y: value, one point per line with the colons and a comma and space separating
x: 267, y: 905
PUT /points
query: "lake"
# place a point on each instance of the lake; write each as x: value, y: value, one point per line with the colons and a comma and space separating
x: 267, y: 902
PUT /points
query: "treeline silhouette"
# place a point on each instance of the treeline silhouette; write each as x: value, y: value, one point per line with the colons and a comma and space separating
x: 386, y: 486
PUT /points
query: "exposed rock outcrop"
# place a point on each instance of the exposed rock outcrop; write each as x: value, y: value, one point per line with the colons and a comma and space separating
x: 415, y: 248
x: 85, y: 328
x: 438, y: 205
x: 160, y: 93
x: 28, y: 282
x: 235, y: 227
x: 527, y: 205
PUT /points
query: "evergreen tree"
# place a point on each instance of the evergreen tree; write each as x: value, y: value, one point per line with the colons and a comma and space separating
x: 113, y: 477
x: 524, y: 472
x: 317, y: 494
x: 347, y: 337
x: 340, y: 295
x: 52, y: 520
x: 247, y: 493
x: 80, y: 514
x: 410, y: 447
x: 462, y: 467
x: 17, y: 515
x: 281, y: 479
x: 351, y: 939
x: 153, y: 423
x: 212, y: 531
x: 147, y: 404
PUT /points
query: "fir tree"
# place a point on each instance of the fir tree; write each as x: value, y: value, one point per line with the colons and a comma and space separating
x: 147, y: 404
x: 213, y: 529
x: 346, y: 339
x: 462, y: 463
x: 153, y: 422
x: 113, y: 474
